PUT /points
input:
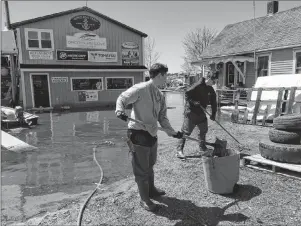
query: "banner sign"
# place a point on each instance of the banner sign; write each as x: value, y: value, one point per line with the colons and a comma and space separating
x: 91, y: 95
x: 86, y: 41
x: 71, y: 55
x: 101, y: 56
x: 59, y: 79
x: 85, y: 23
x: 41, y: 55
x: 130, y: 53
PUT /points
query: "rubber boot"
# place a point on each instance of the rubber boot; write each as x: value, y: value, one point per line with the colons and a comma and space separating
x: 203, y: 148
x: 180, y: 148
x: 202, y: 144
x: 145, y: 202
x: 153, y: 191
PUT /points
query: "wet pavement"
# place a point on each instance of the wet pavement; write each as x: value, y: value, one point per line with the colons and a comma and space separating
x: 32, y: 182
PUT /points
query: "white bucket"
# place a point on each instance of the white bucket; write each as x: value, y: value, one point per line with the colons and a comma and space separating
x: 221, y: 173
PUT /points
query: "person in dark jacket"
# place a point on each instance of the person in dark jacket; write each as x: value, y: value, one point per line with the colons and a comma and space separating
x: 199, y: 94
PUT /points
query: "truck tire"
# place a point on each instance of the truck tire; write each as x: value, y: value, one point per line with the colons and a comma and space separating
x: 284, y: 137
x: 288, y: 153
x: 288, y: 122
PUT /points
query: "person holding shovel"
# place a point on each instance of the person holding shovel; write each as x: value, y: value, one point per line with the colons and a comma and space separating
x: 148, y: 107
x: 197, y: 97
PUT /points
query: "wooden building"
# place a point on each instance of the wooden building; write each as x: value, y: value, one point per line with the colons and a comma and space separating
x: 264, y: 46
x: 77, y: 58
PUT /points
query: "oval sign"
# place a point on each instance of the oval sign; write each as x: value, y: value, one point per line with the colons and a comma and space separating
x: 85, y: 23
x: 129, y: 45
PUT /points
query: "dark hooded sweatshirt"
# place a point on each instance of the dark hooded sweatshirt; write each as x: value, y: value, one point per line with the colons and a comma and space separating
x: 201, y: 93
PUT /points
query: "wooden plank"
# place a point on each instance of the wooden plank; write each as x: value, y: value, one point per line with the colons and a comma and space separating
x: 256, y: 108
x: 279, y: 101
x: 237, y: 96
x: 12, y: 143
x: 291, y: 100
x: 291, y: 174
x: 288, y: 166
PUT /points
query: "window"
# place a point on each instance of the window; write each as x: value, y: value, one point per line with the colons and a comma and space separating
x: 38, y: 39
x: 119, y: 83
x: 263, y: 66
x: 84, y: 84
x: 298, y: 62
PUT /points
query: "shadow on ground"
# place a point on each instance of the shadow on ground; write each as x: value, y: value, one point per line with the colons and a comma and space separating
x: 190, y: 214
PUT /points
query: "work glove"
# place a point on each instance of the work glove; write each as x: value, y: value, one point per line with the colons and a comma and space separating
x: 212, y: 117
x: 122, y: 116
x: 178, y: 135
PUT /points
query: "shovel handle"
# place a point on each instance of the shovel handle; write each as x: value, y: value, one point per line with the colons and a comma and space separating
x: 161, y: 129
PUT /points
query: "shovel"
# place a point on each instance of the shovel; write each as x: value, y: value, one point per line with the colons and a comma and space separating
x: 219, y: 145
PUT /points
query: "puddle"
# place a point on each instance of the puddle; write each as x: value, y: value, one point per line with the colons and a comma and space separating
x: 63, y: 164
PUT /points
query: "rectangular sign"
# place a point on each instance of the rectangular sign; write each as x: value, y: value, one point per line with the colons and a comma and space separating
x: 86, y: 41
x: 72, y: 55
x: 101, y: 56
x: 40, y: 55
x: 59, y: 79
x: 130, y: 53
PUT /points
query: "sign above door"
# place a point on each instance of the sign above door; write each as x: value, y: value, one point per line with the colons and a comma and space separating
x: 85, y: 23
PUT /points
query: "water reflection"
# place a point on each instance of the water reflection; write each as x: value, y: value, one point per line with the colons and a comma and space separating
x: 63, y: 163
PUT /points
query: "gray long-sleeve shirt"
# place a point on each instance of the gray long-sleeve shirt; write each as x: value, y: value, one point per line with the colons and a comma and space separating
x: 149, y: 106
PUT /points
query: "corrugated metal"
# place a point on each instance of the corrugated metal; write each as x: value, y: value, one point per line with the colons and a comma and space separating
x: 282, y: 67
x: 115, y: 35
x: 61, y: 93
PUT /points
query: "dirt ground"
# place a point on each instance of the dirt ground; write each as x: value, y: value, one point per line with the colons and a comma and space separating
x: 260, y: 198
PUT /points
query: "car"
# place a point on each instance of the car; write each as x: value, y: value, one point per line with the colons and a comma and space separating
x: 12, y: 117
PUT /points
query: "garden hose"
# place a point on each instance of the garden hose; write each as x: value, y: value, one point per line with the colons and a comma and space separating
x: 80, y: 216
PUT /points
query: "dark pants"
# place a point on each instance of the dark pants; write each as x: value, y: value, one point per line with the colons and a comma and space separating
x: 143, y: 150
x: 191, y: 120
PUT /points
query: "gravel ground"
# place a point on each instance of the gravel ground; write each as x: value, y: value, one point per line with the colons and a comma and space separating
x: 260, y: 198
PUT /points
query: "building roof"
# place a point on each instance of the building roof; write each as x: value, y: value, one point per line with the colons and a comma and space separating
x: 87, y: 9
x: 282, y: 29
x: 8, y: 45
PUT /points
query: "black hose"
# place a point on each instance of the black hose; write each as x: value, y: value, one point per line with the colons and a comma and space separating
x: 80, y: 216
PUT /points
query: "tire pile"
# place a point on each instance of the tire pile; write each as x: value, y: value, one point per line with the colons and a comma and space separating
x: 285, y: 140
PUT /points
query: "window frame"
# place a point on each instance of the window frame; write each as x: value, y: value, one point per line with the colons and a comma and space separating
x: 39, y: 31
x: 71, y: 83
x: 295, y: 60
x: 119, y: 77
x: 228, y: 76
x: 269, y: 63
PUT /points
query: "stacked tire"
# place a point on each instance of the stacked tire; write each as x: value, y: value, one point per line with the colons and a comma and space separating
x: 285, y: 140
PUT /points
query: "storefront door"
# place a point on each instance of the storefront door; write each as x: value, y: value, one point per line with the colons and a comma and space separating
x: 40, y: 90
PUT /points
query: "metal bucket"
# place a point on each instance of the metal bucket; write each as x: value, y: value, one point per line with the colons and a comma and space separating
x: 222, y: 173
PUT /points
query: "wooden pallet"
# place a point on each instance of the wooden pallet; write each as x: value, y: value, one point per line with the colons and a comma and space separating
x: 290, y: 170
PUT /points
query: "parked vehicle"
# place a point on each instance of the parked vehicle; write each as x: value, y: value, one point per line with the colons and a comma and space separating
x: 11, y: 117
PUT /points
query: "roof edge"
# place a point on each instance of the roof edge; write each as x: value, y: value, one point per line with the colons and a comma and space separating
x: 66, y: 12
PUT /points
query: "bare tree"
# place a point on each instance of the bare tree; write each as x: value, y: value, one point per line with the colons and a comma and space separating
x: 151, y: 56
x: 194, y: 44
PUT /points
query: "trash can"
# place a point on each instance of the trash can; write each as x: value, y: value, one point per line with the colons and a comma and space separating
x: 221, y: 173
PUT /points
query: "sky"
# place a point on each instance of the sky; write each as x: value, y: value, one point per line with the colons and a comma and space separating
x: 168, y: 22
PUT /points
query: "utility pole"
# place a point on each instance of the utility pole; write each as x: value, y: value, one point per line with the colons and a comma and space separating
x: 7, y: 24
x: 13, y: 68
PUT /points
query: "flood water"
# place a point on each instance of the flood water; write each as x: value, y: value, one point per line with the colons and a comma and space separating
x: 63, y: 165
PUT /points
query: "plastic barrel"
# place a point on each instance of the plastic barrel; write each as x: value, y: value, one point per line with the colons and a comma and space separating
x: 221, y: 173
